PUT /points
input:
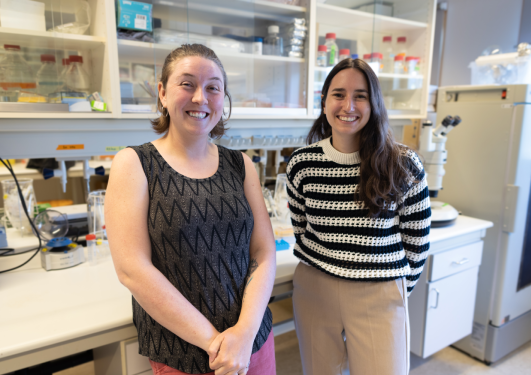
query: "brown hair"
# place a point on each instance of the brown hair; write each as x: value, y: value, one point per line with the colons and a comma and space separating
x: 162, y: 123
x: 385, y: 171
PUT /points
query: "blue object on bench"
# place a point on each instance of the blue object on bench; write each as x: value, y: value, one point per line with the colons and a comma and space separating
x: 281, y: 245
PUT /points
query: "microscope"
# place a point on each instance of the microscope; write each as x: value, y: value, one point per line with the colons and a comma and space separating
x: 432, y: 149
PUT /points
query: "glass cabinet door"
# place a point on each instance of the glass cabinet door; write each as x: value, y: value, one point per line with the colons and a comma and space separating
x: 266, y: 72
x: 393, y: 36
x: 53, y: 58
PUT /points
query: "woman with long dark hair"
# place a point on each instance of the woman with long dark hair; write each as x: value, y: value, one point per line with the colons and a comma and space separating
x: 361, y: 213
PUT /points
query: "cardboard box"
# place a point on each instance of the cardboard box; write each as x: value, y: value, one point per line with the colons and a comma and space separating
x: 133, y: 15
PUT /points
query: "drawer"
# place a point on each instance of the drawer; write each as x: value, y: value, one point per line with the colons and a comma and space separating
x: 456, y: 260
x: 132, y: 362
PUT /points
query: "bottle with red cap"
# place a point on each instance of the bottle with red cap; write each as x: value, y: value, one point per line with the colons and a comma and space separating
x: 344, y: 54
x: 66, y: 65
x: 377, y: 57
x: 332, y: 50
x: 48, y: 76
x: 401, y: 46
x: 388, y: 54
x: 17, y: 75
x: 76, y: 78
x: 321, y: 56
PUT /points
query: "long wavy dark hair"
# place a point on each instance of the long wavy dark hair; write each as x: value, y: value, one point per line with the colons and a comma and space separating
x: 385, y: 171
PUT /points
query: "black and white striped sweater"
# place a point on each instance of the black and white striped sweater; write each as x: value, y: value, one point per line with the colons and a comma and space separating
x: 335, y: 234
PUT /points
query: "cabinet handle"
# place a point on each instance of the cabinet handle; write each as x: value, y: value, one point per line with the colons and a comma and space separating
x: 437, y: 301
x: 461, y: 262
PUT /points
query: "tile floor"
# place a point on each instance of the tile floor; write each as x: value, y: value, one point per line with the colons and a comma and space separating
x: 448, y: 361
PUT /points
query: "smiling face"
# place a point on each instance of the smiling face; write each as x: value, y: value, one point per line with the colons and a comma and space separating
x: 347, y: 105
x: 194, y: 95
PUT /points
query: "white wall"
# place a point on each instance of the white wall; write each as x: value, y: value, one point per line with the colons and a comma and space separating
x: 472, y: 26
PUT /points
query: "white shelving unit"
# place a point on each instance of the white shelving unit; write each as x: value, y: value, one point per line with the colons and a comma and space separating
x: 288, y: 82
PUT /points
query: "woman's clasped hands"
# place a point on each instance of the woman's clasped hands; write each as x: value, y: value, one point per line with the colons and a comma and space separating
x: 230, y: 352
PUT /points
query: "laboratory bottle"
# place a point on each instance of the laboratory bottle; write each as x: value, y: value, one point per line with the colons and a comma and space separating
x: 398, y: 67
x: 344, y: 54
x: 258, y: 43
x: 377, y: 57
x: 76, y: 78
x: 331, y: 49
x: 401, y: 48
x: 66, y: 65
x: 354, y: 56
x: 321, y: 56
x: 48, y: 77
x: 367, y: 57
x: 17, y: 74
x: 273, y: 42
x: 388, y: 54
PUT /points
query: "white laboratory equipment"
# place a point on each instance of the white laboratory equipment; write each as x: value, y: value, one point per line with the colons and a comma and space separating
x: 489, y: 164
x: 432, y: 149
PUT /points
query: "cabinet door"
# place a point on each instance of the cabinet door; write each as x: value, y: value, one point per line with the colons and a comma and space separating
x: 450, y: 310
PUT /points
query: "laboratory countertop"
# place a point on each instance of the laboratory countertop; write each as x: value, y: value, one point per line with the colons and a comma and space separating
x: 41, y: 308
x: 75, y: 171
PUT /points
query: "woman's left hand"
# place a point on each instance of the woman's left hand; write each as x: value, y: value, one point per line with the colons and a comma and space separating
x: 230, y: 352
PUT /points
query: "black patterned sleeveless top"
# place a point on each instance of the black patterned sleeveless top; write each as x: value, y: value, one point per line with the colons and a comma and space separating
x: 200, y: 231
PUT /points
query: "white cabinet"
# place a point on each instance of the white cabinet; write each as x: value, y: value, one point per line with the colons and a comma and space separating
x: 442, y: 304
x: 121, y: 358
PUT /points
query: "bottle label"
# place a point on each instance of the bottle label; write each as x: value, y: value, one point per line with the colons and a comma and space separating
x: 333, y: 53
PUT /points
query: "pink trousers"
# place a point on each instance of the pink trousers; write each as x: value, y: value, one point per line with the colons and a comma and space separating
x: 262, y: 362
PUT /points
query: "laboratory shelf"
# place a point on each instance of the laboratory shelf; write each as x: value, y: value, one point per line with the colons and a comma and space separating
x: 238, y: 113
x: 148, y: 53
x: 230, y: 9
x: 358, y: 20
x: 56, y: 115
x: 49, y: 39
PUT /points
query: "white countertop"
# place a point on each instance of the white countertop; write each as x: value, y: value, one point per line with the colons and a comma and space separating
x: 75, y: 171
x: 41, y: 308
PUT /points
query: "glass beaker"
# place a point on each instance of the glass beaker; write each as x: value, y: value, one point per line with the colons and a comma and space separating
x: 281, y: 198
x: 13, y: 205
x: 95, y: 214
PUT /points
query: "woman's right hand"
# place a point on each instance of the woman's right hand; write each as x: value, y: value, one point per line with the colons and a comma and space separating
x: 230, y: 352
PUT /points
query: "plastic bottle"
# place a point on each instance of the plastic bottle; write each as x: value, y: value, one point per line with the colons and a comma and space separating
x: 367, y: 57
x: 400, y: 48
x: 398, y: 67
x: 66, y: 65
x: 388, y: 54
x: 76, y: 78
x: 17, y: 75
x: 258, y: 43
x: 377, y: 57
x: 273, y: 42
x: 321, y: 56
x: 412, y: 65
x: 48, y: 77
x: 332, y: 50
x: 344, y: 54
x: 355, y: 56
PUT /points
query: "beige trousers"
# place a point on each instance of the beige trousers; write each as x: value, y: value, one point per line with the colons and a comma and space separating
x: 344, y: 324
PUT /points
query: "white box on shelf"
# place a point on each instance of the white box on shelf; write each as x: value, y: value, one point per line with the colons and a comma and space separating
x: 22, y: 14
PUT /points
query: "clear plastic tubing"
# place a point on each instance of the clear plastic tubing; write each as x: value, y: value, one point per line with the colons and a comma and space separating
x: 388, y: 54
x: 331, y: 49
x: 321, y: 56
x: 76, y: 77
x: 273, y: 42
x: 48, y: 77
x: 17, y: 75
x: 344, y: 54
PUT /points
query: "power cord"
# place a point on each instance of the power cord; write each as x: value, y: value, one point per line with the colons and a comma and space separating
x: 10, y: 169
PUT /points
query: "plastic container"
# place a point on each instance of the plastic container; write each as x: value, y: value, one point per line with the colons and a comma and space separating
x: 16, y: 76
x: 48, y: 76
x: 66, y: 65
x: 376, y: 62
x: 97, y: 249
x: 95, y: 211
x: 257, y: 47
x: 412, y: 65
x: 76, y: 78
x: 501, y: 69
x: 332, y: 50
x: 398, y: 65
x: 388, y: 54
x: 367, y: 57
x: 273, y: 42
x: 401, y: 47
x: 321, y: 56
x: 80, y: 9
x: 344, y: 54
